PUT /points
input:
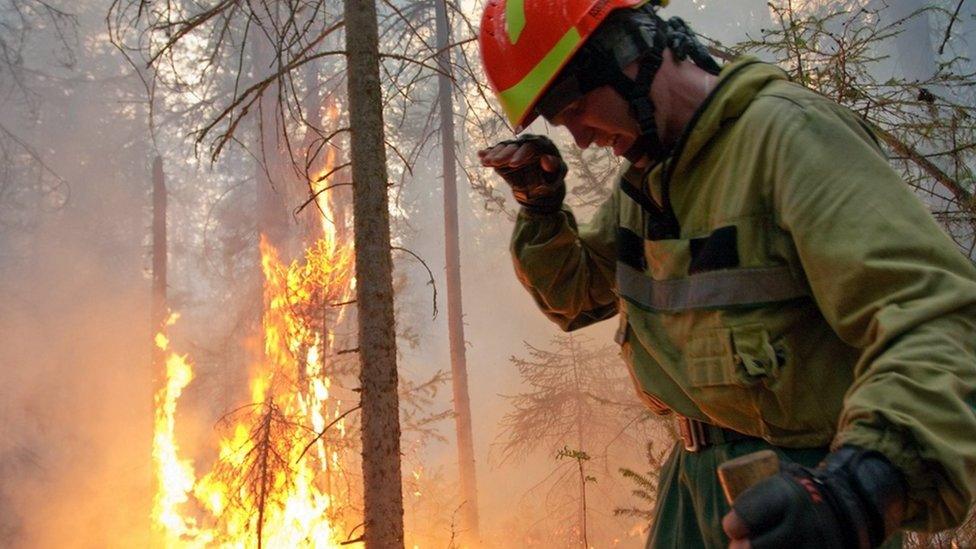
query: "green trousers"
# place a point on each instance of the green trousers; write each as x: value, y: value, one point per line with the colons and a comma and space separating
x: 691, y: 503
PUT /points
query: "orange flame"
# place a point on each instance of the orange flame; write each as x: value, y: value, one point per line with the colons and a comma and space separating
x: 290, y: 392
x: 174, y: 475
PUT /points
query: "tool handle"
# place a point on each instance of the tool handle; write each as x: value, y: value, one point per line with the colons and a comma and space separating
x: 736, y: 475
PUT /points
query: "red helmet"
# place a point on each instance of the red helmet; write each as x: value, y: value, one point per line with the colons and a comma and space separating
x: 525, y: 43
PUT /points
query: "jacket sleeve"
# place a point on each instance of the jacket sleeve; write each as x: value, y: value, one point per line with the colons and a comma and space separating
x: 568, y: 269
x: 891, y: 283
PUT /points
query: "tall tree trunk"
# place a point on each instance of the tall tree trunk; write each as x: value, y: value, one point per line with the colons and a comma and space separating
x: 455, y: 316
x: 580, y: 407
x: 382, y: 490
x: 158, y: 307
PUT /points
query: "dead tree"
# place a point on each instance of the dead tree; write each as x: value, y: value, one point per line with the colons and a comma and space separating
x: 159, y: 308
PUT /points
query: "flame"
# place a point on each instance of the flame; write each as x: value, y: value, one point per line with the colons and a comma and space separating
x: 417, y: 473
x: 174, y: 476
x: 270, y: 485
x: 323, y: 198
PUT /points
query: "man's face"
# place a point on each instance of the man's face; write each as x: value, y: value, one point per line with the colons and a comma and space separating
x: 602, y: 117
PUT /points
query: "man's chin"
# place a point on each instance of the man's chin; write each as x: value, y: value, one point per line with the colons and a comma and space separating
x: 642, y: 151
x: 633, y: 152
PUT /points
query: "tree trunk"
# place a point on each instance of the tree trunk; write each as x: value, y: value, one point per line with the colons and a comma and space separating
x: 382, y: 491
x: 455, y: 316
x: 579, y: 391
x: 158, y: 307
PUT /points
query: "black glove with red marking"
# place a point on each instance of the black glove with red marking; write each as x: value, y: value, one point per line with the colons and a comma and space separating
x: 855, y: 499
x: 533, y: 168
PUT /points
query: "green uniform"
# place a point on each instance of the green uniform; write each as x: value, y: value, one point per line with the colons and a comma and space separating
x: 776, y: 277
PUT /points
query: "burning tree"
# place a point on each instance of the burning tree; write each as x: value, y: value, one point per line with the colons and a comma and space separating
x: 263, y: 75
x: 274, y: 481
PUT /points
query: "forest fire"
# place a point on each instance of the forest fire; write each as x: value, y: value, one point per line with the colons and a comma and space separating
x: 273, y: 483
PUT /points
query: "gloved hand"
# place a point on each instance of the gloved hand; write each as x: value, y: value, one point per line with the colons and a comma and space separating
x: 533, y: 168
x: 854, y: 499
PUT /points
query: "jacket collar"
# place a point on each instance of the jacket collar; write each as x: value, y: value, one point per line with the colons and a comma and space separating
x: 738, y: 85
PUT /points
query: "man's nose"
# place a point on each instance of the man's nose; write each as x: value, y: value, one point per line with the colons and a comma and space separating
x: 581, y: 135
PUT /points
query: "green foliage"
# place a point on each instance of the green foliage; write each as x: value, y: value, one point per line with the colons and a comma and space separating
x: 581, y: 457
x: 645, y: 488
x: 578, y: 455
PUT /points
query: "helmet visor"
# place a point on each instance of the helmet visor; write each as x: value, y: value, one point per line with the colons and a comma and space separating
x: 579, y: 78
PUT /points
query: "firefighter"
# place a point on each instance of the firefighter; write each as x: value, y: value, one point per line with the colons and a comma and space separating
x: 777, y: 285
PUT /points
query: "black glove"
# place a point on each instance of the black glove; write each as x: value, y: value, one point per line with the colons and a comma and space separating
x: 537, y: 190
x: 855, y: 499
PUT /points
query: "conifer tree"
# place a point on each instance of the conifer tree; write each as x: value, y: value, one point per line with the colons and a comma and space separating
x: 579, y: 404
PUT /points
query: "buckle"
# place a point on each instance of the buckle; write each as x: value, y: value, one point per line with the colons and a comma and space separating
x: 692, y: 434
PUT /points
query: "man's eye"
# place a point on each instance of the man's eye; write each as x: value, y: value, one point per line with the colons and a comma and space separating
x: 570, y: 111
x: 577, y: 106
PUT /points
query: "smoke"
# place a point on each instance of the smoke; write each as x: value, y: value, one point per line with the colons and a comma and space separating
x: 75, y: 397
x: 75, y: 400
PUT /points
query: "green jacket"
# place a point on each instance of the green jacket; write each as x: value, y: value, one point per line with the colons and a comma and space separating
x: 775, y: 276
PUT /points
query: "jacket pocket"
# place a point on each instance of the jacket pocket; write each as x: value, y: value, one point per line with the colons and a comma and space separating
x: 710, y: 359
x: 729, y: 371
x: 622, y: 337
x: 742, y: 355
x: 756, y: 359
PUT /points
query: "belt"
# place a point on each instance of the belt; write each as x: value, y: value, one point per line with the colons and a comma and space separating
x: 698, y: 435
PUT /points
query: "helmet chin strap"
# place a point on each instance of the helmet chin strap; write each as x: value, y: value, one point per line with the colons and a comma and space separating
x: 648, y: 145
x: 650, y: 41
x: 643, y: 149
x: 675, y: 35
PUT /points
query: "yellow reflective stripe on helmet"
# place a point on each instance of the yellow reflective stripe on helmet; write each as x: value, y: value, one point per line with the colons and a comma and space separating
x: 517, y: 99
x: 514, y: 19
